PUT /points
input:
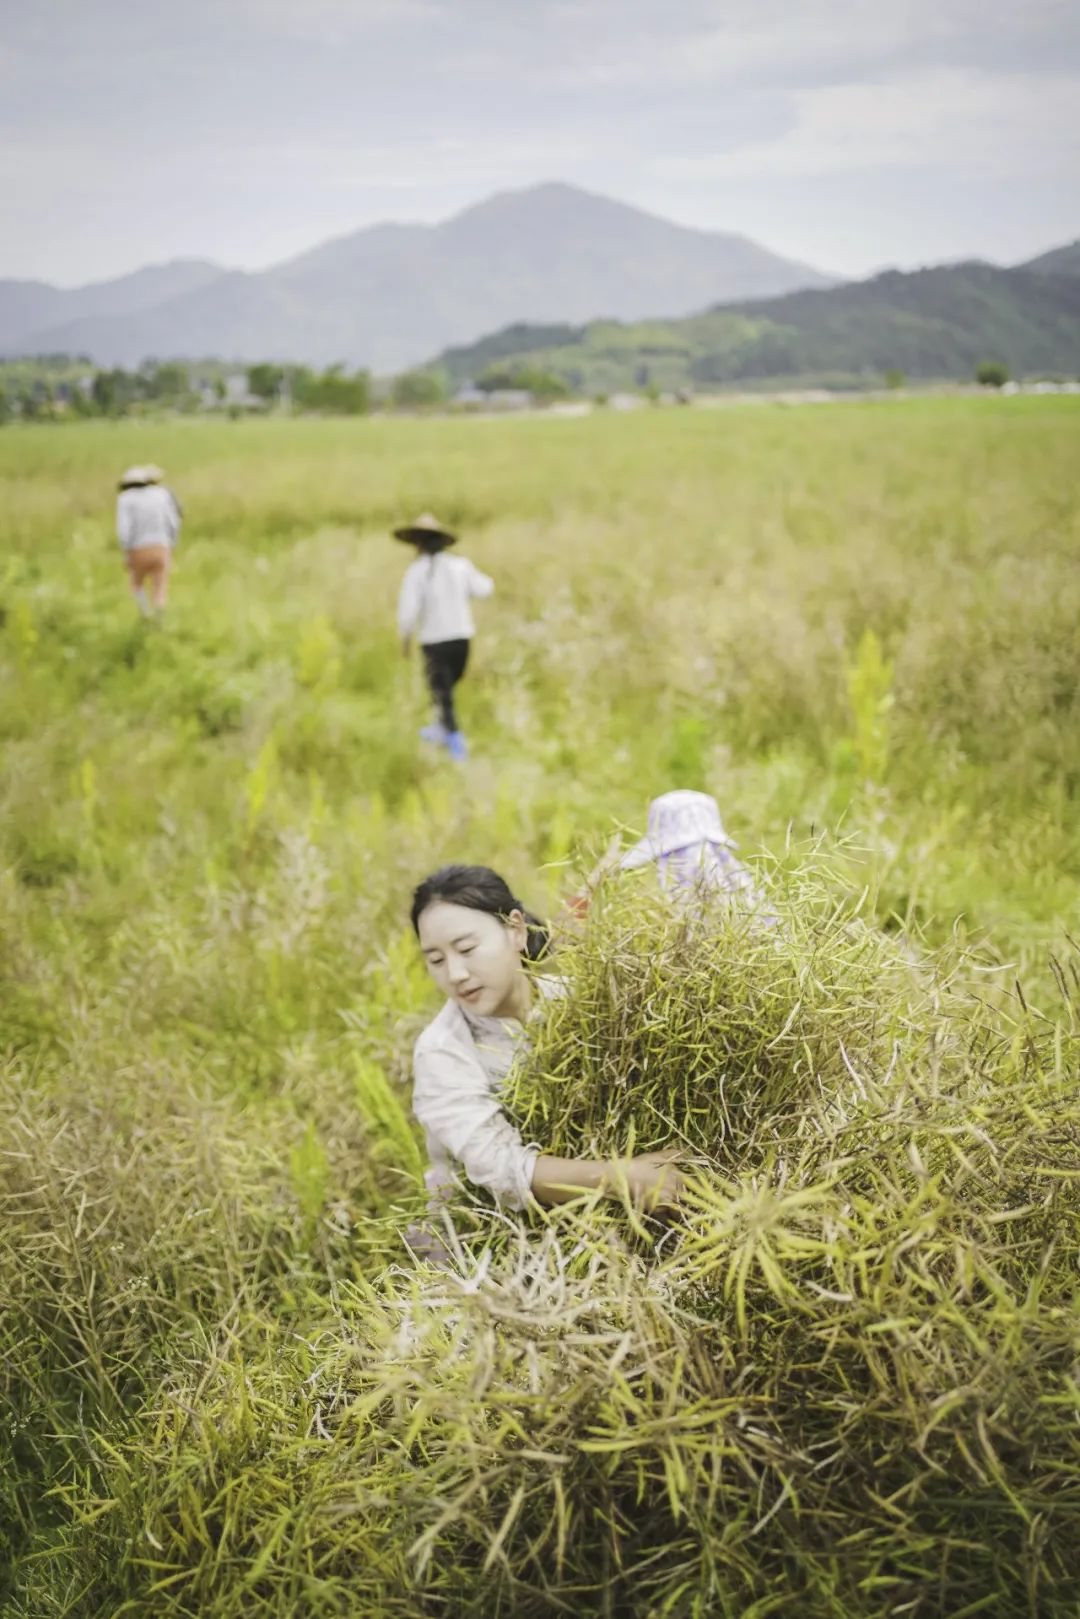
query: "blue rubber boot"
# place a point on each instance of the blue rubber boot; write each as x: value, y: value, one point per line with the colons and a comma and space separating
x: 434, y: 733
x: 456, y: 747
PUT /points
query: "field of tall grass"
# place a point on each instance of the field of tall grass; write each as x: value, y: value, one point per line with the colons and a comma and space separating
x: 847, y: 1381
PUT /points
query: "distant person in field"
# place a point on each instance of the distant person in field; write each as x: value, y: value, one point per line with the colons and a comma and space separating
x: 148, y: 521
x: 435, y: 607
x: 481, y: 947
x: 692, y: 855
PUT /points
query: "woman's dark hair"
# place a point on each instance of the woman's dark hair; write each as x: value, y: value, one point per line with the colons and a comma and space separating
x: 479, y: 888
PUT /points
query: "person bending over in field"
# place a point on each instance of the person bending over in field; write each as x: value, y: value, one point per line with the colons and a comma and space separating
x: 685, y: 843
x: 480, y: 945
x: 435, y: 606
x: 148, y: 520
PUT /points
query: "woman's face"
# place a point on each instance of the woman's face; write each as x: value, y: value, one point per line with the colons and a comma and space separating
x: 475, y: 958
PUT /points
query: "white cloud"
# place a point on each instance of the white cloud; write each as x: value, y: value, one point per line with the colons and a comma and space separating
x: 334, y: 21
x: 419, y: 160
x: 771, y: 41
x: 988, y: 124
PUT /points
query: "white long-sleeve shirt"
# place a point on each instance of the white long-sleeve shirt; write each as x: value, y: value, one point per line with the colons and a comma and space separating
x: 459, y: 1064
x: 435, y: 596
x: 147, y: 515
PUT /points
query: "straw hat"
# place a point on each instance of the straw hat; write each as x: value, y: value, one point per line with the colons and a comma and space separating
x: 425, y: 530
x: 136, y: 477
x: 677, y: 820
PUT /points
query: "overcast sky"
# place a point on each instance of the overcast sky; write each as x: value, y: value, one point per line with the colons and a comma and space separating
x: 839, y: 132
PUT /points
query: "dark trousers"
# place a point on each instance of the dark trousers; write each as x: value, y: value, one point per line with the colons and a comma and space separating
x: 444, y: 665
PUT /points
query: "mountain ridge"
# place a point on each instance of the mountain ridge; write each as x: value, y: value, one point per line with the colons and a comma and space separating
x: 389, y: 294
x: 1064, y: 260
x: 22, y: 301
x: 543, y: 265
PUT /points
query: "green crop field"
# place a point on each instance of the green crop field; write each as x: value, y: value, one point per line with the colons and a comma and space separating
x: 847, y: 1382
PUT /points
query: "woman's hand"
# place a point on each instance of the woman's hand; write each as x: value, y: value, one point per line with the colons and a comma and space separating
x: 577, y: 906
x: 653, y: 1180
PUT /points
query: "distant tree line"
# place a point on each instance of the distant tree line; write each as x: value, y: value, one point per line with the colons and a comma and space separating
x: 60, y: 387
x: 57, y: 387
x: 53, y: 387
x: 543, y: 384
x: 335, y: 392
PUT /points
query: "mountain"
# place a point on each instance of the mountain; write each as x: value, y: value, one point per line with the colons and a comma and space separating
x: 389, y: 295
x: 1059, y: 261
x: 30, y: 306
x: 933, y: 323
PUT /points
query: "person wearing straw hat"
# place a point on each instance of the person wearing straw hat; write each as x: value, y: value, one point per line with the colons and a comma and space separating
x: 435, y: 607
x: 148, y: 526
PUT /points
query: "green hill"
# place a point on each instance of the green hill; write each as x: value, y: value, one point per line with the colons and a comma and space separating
x: 934, y: 323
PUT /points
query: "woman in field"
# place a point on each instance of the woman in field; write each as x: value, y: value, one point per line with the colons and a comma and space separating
x: 480, y: 945
x: 686, y: 845
x: 434, y: 605
x: 148, y: 526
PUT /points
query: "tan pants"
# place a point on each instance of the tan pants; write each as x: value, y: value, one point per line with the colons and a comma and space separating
x: 149, y: 565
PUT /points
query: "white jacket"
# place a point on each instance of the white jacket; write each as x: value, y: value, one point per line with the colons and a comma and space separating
x: 459, y: 1064
x: 435, y: 596
x: 147, y: 515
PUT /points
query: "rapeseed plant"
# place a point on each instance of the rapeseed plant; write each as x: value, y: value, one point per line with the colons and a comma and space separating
x: 844, y: 1382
